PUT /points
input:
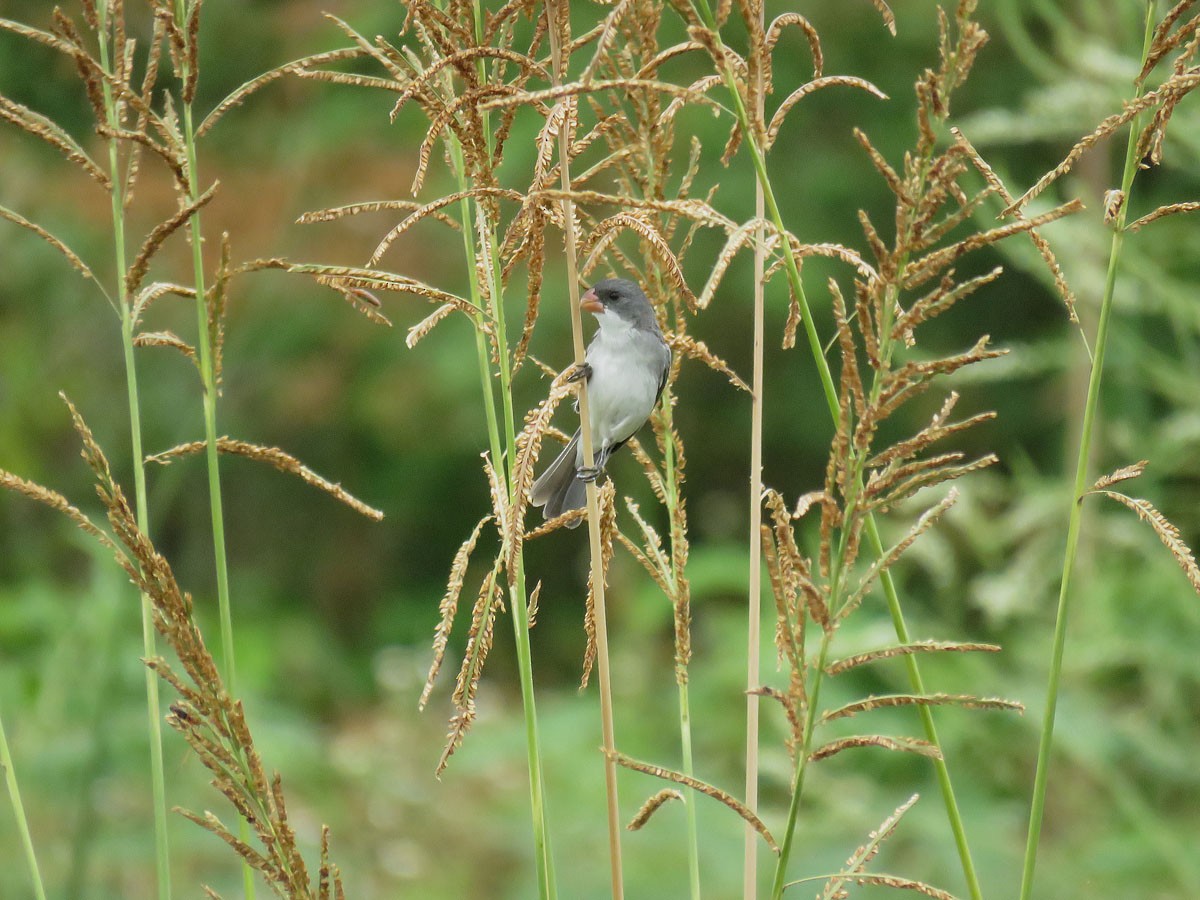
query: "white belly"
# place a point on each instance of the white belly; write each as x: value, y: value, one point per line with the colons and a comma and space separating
x: 623, y: 387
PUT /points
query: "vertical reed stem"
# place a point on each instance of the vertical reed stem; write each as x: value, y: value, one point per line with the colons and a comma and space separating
x: 1046, y: 744
x: 553, y: 10
x: 792, y: 269
x: 754, y: 598
x: 154, y: 716
x: 209, y: 381
x: 14, y: 795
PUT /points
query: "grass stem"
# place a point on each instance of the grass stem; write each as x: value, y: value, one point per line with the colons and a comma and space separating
x: 729, y: 76
x: 14, y: 796
x: 153, y: 711
x: 1046, y: 743
x: 754, y: 592
x: 553, y: 10
x: 208, y: 376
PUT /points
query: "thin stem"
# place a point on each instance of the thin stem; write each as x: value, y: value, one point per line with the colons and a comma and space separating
x: 670, y: 480
x: 802, y: 753
x: 481, y: 348
x: 754, y: 594
x: 209, y: 382
x: 14, y: 795
x: 685, y: 738
x: 158, y: 787
x: 1046, y: 744
x: 593, y: 507
x: 503, y: 455
x: 814, y: 342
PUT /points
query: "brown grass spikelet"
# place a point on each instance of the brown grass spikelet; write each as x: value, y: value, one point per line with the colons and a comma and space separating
x: 162, y: 231
x: 904, y: 884
x: 1125, y: 473
x: 1176, y: 86
x: 419, y: 213
x: 417, y: 332
x: 650, y: 468
x: 741, y: 236
x: 650, y: 553
x: 837, y: 666
x: 1163, y: 41
x: 53, y: 134
x: 1169, y: 209
x: 938, y: 429
x: 71, y: 256
x: 1167, y: 532
x: 694, y: 348
x: 858, y: 861
x: 276, y: 458
x: 216, y: 300
x: 651, y: 806
x: 926, y: 521
x: 502, y: 511
x: 810, y: 87
x: 166, y: 339
x: 479, y: 643
x: 608, y: 531
x: 901, y: 745
x: 212, y: 723
x: 449, y: 605
x: 893, y: 180
x: 56, y: 501
x: 939, y: 300
x: 795, y: 724
x: 1042, y: 245
x: 707, y: 789
x: 339, y: 277
x: 775, y: 31
x: 529, y: 445
x: 966, y: 701
x: 920, y: 270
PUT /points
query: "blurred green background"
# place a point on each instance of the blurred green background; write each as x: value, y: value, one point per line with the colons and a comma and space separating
x: 334, y: 614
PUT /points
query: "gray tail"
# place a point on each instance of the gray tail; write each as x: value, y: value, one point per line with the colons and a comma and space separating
x: 558, y: 489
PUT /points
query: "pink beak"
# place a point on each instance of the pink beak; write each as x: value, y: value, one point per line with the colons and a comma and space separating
x: 589, y: 302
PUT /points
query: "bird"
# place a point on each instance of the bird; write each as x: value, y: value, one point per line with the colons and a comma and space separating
x: 626, y: 368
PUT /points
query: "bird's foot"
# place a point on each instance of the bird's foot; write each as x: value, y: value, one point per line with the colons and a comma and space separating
x: 582, y: 372
x: 588, y: 474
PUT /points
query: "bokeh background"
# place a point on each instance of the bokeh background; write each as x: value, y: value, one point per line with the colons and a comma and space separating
x: 334, y: 614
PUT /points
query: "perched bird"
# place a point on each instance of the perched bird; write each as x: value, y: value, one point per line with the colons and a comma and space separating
x: 626, y: 369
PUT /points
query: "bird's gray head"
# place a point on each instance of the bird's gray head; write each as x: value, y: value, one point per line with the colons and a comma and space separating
x: 622, y: 298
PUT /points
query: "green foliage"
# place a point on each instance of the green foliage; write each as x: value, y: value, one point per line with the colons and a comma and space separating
x: 334, y: 612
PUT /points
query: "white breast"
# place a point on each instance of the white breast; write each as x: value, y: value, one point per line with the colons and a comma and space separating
x: 627, y: 367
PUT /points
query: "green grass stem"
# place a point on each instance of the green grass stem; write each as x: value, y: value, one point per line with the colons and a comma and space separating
x: 212, y: 457
x: 600, y: 613
x: 792, y: 269
x: 1046, y: 743
x: 158, y: 788
x: 754, y: 548
x: 14, y: 796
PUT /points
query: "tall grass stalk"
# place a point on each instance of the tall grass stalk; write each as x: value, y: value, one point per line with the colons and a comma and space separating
x: 14, y: 796
x: 545, y: 867
x: 654, y: 169
x: 162, y: 856
x: 687, y: 766
x: 791, y: 267
x: 754, y: 592
x: 208, y: 377
x: 1087, y: 427
x: 555, y: 10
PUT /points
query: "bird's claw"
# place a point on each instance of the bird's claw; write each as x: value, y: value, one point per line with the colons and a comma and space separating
x: 582, y: 372
x: 588, y: 474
